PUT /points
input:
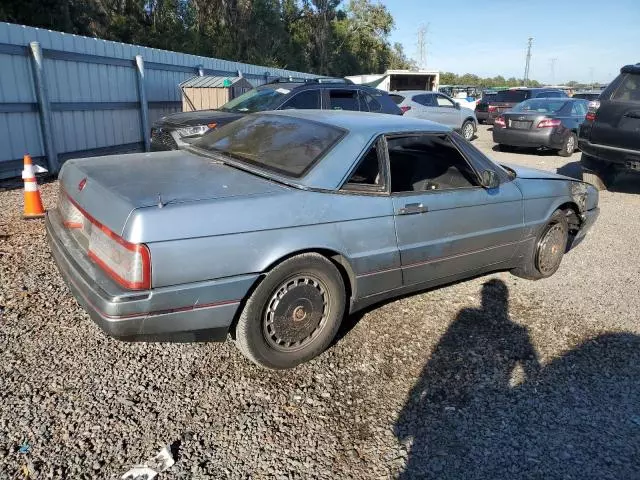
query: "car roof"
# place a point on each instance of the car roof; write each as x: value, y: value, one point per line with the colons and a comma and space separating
x: 412, y: 92
x: 314, y: 86
x: 631, y: 68
x: 364, y: 122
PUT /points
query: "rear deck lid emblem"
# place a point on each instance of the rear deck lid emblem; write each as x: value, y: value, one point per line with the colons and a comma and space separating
x: 82, y: 184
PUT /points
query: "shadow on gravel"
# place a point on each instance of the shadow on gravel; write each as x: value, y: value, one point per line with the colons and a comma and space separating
x: 571, y: 169
x: 484, y: 407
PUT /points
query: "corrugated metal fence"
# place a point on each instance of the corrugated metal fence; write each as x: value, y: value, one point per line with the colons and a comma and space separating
x: 67, y: 96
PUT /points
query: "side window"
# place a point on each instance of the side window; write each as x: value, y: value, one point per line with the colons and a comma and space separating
x: 367, y: 175
x: 369, y: 102
x: 421, y: 163
x: 425, y: 100
x: 303, y: 100
x: 629, y: 89
x: 579, y: 108
x: 344, y: 100
x: 444, y: 102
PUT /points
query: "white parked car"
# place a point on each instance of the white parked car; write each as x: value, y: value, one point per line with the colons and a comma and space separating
x: 437, y: 107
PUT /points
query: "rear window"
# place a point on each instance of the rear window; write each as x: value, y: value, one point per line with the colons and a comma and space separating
x: 512, y: 96
x: 540, y: 105
x: 397, y: 99
x: 629, y: 89
x: 285, y: 145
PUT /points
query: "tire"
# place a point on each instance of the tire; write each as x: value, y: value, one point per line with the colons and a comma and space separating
x: 467, y: 130
x: 293, y: 314
x: 569, y: 145
x: 546, y: 255
x: 505, y: 148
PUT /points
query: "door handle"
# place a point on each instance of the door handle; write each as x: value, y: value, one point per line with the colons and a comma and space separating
x: 635, y: 114
x: 412, y: 209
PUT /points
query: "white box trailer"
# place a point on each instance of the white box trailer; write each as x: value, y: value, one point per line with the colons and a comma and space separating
x: 393, y: 80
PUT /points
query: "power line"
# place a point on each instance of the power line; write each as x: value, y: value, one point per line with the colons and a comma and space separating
x: 526, y: 65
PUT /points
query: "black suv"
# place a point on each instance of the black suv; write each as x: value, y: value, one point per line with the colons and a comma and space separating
x: 610, y: 135
x: 505, y: 99
x: 178, y: 130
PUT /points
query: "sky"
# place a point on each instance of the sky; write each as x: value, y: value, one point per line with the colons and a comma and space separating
x: 590, y: 39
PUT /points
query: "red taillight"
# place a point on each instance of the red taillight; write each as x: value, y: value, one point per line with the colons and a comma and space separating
x: 591, y: 116
x: 550, y: 122
x: 405, y: 109
x: 592, y: 111
x: 492, y: 108
x: 499, y: 122
x: 129, y: 264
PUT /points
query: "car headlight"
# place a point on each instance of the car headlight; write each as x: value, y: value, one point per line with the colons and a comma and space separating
x: 196, y: 130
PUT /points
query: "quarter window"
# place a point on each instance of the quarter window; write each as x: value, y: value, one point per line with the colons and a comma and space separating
x: 422, y: 163
x: 629, y: 90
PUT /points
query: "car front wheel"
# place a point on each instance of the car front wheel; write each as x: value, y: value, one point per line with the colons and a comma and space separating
x: 293, y: 314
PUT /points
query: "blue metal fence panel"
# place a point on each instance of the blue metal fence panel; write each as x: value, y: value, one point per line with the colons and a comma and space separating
x: 92, y: 92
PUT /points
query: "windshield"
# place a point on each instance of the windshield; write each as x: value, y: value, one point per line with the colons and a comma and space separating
x: 286, y: 145
x: 512, y: 96
x: 256, y: 100
x: 540, y: 105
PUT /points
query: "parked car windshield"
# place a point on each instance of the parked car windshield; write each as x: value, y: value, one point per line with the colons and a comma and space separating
x: 540, y: 105
x: 285, y: 145
x: 512, y: 96
x: 256, y: 100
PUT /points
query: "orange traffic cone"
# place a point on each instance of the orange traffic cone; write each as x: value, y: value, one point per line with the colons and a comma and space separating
x: 32, y: 202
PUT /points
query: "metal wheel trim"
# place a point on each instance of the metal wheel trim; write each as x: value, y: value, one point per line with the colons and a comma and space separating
x: 550, y: 249
x: 571, y: 144
x: 467, y: 131
x: 271, y: 336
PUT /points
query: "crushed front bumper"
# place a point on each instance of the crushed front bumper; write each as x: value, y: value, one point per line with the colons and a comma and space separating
x: 201, y: 311
x: 587, y: 219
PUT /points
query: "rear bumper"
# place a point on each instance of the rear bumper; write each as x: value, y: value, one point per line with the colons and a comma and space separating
x: 620, y: 158
x: 482, y: 116
x: 201, y: 311
x: 543, y: 137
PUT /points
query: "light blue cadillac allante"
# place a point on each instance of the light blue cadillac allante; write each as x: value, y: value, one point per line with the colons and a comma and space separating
x: 273, y: 228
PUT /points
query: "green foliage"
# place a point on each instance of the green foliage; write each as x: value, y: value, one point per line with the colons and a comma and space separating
x: 449, y: 78
x: 327, y: 37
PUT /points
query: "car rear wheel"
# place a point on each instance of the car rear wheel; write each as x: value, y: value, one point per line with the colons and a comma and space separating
x: 569, y: 145
x: 293, y: 314
x: 467, y: 130
x: 546, y: 255
x: 595, y: 172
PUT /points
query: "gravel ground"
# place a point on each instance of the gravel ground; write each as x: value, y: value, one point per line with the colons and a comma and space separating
x: 495, y: 377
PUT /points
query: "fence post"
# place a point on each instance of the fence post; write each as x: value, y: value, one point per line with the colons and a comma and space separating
x: 144, y: 106
x: 43, y: 107
x: 200, y: 70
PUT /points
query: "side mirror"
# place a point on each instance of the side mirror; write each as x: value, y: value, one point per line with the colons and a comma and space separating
x: 457, y: 105
x: 489, y: 179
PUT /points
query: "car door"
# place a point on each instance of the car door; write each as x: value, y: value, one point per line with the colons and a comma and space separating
x: 446, y: 223
x: 448, y: 113
x: 618, y: 118
x: 425, y: 107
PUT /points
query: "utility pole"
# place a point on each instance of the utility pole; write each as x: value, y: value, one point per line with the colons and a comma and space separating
x: 422, y: 46
x: 526, y: 65
x: 591, y: 76
x: 552, y: 62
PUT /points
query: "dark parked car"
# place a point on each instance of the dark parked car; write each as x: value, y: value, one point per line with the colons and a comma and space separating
x: 587, y: 95
x: 610, y: 136
x: 179, y: 130
x: 506, y: 99
x: 482, y: 108
x: 542, y: 122
x: 275, y: 226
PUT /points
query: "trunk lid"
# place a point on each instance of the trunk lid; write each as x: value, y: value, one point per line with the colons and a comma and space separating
x: 110, y: 188
x: 523, y: 120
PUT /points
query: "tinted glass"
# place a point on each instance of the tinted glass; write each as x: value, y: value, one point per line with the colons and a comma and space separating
x: 540, y: 105
x: 344, y: 100
x: 629, y: 89
x: 512, y: 96
x: 304, y: 100
x: 444, y: 101
x: 397, y: 99
x: 579, y: 108
x: 426, y: 163
x: 371, y: 103
x: 587, y: 96
x: 426, y: 100
x: 285, y: 145
x: 255, y: 100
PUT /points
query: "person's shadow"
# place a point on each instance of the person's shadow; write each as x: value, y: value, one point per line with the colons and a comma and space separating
x: 484, y: 407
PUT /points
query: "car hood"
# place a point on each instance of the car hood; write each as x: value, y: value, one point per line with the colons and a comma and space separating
x: 114, y: 186
x: 201, y: 117
x: 535, y: 174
